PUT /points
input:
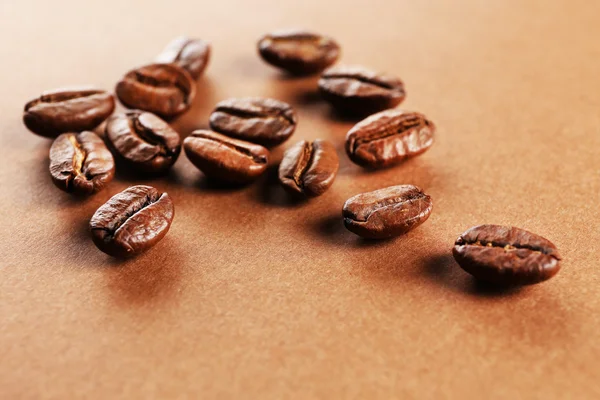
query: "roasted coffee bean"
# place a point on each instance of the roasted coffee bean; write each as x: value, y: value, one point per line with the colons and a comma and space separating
x: 132, y: 221
x: 163, y: 89
x: 222, y: 158
x: 298, y: 52
x: 190, y: 54
x: 80, y: 163
x: 142, y: 139
x: 388, y: 212
x: 388, y: 138
x: 67, y: 110
x: 267, y: 122
x: 359, y: 90
x: 309, y: 168
x: 506, y: 255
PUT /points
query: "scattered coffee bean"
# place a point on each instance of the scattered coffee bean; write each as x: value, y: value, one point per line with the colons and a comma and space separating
x: 223, y: 158
x: 359, y: 90
x: 143, y: 140
x: 80, y: 163
x: 298, y: 52
x: 67, y: 110
x: 506, y: 255
x: 132, y: 221
x: 309, y: 168
x: 388, y: 212
x: 267, y: 122
x: 388, y: 138
x: 163, y: 89
x: 190, y: 54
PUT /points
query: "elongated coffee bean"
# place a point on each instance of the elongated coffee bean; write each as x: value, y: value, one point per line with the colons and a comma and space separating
x: 506, y: 255
x: 309, y: 168
x: 388, y: 212
x: 67, y: 110
x: 267, y: 122
x: 359, y: 90
x: 80, y: 163
x: 143, y: 140
x: 163, y: 89
x: 132, y: 221
x: 388, y: 138
x: 222, y: 158
x: 191, y: 54
x: 298, y: 52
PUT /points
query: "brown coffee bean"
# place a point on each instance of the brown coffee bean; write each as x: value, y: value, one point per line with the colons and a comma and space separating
x: 80, y: 163
x: 388, y: 138
x: 222, y: 158
x: 506, y: 255
x: 143, y: 140
x: 67, y: 110
x: 388, y: 212
x: 309, y: 168
x: 191, y: 54
x: 359, y: 90
x: 298, y: 52
x: 163, y: 89
x: 267, y: 122
x: 132, y: 221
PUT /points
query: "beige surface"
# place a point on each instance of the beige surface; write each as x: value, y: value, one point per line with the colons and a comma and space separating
x: 250, y: 296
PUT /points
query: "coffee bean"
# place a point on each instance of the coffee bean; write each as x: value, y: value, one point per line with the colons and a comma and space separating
x: 309, y: 168
x: 190, y: 54
x: 298, y: 52
x: 80, y: 163
x: 222, y: 158
x: 143, y: 140
x: 267, y: 122
x: 359, y: 90
x: 387, y: 212
x: 132, y: 221
x: 388, y: 138
x: 506, y: 255
x: 67, y: 110
x: 163, y: 89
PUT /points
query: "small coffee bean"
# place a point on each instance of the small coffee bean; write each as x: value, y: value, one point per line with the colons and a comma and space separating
x: 506, y: 255
x: 67, y: 110
x: 222, y: 158
x: 309, y: 168
x: 388, y: 212
x: 163, y: 89
x: 190, y: 54
x: 359, y: 90
x: 132, y: 221
x: 388, y: 138
x: 298, y: 52
x: 267, y: 122
x: 142, y: 139
x: 80, y: 163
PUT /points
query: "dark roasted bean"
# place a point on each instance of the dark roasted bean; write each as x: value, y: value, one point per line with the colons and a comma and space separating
x: 222, y: 158
x: 67, y: 110
x: 190, y: 54
x: 387, y: 212
x: 309, y: 168
x: 80, y: 163
x: 388, y: 138
x: 506, y: 255
x: 163, y: 89
x: 132, y: 221
x: 267, y: 122
x: 298, y: 52
x: 143, y: 140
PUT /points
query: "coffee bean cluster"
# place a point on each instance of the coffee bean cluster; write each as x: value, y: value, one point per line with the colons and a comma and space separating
x: 236, y: 151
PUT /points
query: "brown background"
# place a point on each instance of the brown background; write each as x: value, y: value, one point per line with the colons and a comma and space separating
x: 251, y: 296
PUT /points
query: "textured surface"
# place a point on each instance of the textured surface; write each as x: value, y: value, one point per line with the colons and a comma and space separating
x: 294, y: 306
